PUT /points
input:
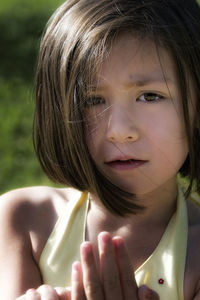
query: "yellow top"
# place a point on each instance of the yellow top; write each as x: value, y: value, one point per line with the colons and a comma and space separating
x: 163, y: 271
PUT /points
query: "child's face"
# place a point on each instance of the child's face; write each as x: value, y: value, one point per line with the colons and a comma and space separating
x: 135, y: 126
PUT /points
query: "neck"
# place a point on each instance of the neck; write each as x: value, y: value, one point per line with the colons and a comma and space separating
x: 159, y: 205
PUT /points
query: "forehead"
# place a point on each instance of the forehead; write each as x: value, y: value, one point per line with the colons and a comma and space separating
x: 137, y: 60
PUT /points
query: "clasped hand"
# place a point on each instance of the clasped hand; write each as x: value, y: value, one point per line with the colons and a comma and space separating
x: 112, y: 280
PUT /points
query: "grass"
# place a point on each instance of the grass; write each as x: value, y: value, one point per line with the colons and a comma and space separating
x: 19, y: 166
x: 21, y: 23
x: 26, y: 5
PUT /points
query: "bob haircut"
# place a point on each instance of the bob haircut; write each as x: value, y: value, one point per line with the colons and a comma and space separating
x: 78, y: 38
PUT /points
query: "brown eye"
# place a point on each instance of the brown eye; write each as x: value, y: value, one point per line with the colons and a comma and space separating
x: 150, y: 97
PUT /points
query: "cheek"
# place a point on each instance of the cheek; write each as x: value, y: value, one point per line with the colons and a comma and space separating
x: 91, y: 125
x: 96, y: 125
x: 170, y: 143
x: 95, y: 130
x: 166, y: 133
x: 170, y: 123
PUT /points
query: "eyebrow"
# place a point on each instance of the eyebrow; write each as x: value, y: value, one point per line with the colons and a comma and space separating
x: 142, y: 81
x: 148, y: 81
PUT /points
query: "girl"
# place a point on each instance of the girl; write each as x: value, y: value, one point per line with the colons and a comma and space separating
x: 117, y: 118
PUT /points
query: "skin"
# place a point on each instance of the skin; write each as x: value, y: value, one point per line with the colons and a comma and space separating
x: 24, y: 231
x: 127, y: 126
x: 122, y: 122
x: 88, y: 283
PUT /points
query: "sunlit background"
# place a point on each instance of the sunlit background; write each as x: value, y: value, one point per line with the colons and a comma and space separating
x: 21, y: 25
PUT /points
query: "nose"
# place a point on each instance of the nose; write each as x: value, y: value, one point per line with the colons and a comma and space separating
x: 122, y: 126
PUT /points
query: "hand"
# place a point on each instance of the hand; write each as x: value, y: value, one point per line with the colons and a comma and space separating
x: 115, y: 280
x: 46, y: 292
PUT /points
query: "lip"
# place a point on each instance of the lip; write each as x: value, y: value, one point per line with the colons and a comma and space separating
x: 125, y: 163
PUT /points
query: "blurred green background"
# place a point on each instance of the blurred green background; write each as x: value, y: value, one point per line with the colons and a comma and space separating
x: 21, y: 25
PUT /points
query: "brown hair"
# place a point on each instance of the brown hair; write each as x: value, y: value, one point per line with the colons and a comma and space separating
x: 78, y: 38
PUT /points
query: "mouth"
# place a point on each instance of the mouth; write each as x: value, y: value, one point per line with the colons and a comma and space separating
x: 125, y: 164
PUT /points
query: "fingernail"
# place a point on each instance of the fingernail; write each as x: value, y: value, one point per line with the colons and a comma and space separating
x: 30, y: 291
x: 86, y: 247
x: 105, y: 237
x: 118, y: 241
x: 76, y: 268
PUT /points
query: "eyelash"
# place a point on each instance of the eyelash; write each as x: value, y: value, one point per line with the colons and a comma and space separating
x: 157, y: 96
x: 90, y: 102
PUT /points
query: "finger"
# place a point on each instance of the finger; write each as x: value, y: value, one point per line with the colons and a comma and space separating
x: 109, y: 269
x: 31, y: 294
x: 91, y: 278
x: 145, y: 293
x: 47, y: 292
x: 127, y: 278
x: 77, y: 289
x: 63, y: 293
x: 23, y: 297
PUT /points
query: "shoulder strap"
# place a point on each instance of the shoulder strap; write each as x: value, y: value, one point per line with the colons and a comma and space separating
x: 62, y: 247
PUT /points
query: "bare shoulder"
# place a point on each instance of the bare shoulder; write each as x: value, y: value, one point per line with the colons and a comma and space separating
x: 35, y: 199
x: 27, y: 217
x: 22, y: 206
x: 34, y: 209
x: 35, y: 193
x: 192, y: 273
